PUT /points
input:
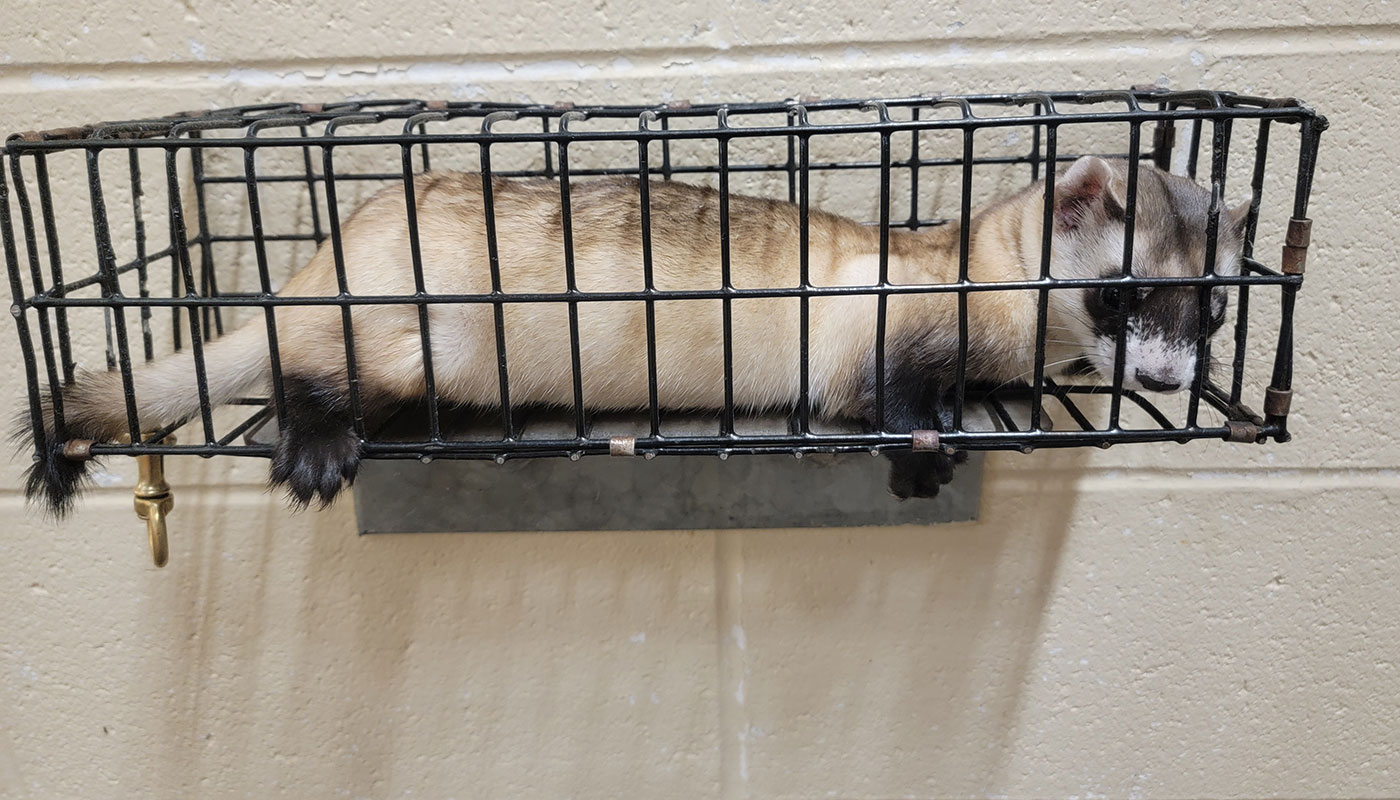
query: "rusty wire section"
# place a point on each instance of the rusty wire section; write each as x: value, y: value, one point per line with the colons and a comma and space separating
x: 46, y: 286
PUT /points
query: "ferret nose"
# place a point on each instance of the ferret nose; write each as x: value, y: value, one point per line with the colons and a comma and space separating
x: 1153, y: 385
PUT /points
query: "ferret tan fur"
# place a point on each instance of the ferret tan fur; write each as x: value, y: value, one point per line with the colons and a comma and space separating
x: 764, y: 237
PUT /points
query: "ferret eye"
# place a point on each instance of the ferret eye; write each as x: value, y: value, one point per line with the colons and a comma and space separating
x: 1217, y: 318
x: 1109, y: 296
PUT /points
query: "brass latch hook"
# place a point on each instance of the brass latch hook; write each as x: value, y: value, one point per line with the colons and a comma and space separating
x: 154, y: 501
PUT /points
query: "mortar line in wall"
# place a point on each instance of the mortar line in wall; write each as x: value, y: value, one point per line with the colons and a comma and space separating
x: 1212, y: 480
x: 543, y: 64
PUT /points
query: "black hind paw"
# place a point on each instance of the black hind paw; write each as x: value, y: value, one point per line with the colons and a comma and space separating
x: 317, y: 452
x: 922, y: 474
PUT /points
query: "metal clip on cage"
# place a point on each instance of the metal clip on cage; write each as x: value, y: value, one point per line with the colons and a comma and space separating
x: 154, y: 501
x: 219, y: 168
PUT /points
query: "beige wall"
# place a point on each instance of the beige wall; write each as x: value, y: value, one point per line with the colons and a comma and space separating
x: 1173, y: 621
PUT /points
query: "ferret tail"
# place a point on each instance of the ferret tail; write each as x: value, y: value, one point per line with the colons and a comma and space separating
x: 94, y: 408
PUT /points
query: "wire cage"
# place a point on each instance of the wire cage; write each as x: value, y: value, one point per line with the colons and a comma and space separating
x: 127, y: 240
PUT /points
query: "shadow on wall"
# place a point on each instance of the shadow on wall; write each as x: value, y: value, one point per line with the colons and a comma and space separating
x: 890, y: 661
x: 300, y: 655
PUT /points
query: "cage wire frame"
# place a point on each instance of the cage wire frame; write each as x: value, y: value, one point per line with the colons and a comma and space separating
x: 44, y: 305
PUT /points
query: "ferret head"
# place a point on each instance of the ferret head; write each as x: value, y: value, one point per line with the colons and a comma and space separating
x: 1169, y: 240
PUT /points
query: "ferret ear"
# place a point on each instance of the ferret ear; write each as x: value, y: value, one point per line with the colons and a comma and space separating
x: 1233, y: 220
x: 1237, y: 216
x: 1085, y: 194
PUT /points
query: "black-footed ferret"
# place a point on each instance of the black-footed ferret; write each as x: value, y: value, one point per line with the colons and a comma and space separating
x: 318, y: 450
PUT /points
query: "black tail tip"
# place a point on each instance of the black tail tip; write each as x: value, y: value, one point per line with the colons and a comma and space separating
x: 54, y: 481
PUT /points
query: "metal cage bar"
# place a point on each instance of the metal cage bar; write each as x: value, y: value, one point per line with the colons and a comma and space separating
x: 1120, y: 341
x: 493, y: 256
x: 179, y: 240
x: 1256, y: 197
x: 415, y: 249
x: 804, y: 281
x: 208, y: 276
x: 111, y: 289
x: 648, y: 273
x: 964, y: 263
x: 41, y: 177
x: 274, y: 351
x: 726, y: 427
x: 46, y: 337
x: 352, y: 376
x: 571, y: 279
x: 1219, y: 156
x: 142, y: 259
x: 882, y: 302
x: 1047, y: 223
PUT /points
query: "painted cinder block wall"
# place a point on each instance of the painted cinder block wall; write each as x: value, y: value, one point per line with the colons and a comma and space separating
x: 1211, y: 621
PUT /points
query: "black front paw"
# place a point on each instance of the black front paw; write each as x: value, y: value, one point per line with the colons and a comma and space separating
x: 922, y: 474
x: 317, y: 451
x: 315, y: 464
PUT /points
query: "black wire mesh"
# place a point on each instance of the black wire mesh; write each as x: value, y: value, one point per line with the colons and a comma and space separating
x: 228, y: 182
